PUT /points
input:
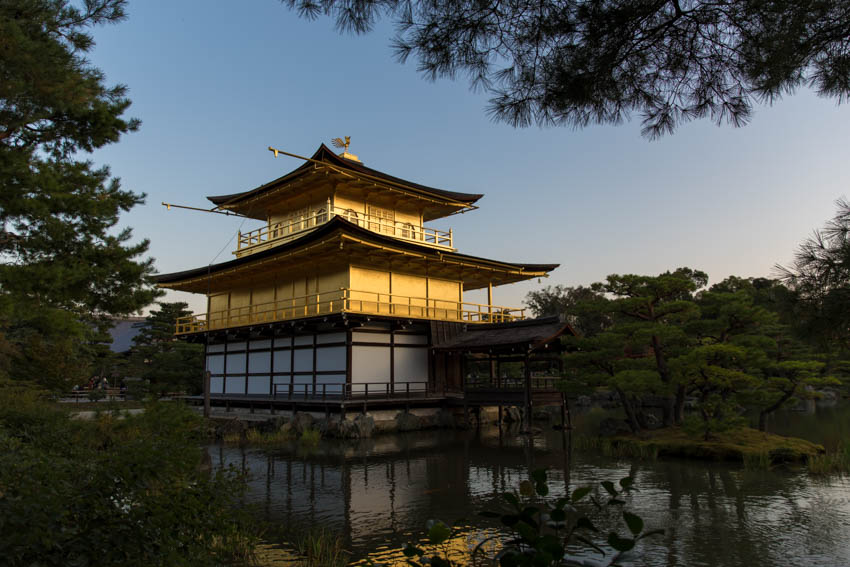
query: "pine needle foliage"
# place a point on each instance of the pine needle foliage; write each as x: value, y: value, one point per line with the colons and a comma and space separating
x: 61, y: 250
x: 578, y: 62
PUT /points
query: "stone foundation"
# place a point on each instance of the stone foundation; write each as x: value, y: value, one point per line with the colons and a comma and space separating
x: 364, y: 426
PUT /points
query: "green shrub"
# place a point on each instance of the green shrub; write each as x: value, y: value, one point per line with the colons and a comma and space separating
x: 129, y: 491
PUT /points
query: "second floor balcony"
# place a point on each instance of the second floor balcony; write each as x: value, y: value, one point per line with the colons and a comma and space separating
x: 347, y: 300
x: 280, y: 232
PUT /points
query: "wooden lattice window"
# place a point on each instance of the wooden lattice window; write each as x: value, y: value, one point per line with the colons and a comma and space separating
x: 381, y: 220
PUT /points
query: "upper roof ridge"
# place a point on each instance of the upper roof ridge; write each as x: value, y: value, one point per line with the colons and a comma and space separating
x: 326, y: 155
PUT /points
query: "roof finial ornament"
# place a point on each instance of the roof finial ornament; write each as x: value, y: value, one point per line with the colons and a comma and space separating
x: 339, y: 143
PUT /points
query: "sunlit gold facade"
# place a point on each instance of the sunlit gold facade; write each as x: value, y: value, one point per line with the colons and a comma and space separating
x: 342, y: 238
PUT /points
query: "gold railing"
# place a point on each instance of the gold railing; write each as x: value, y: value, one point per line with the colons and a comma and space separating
x: 349, y: 301
x: 277, y: 233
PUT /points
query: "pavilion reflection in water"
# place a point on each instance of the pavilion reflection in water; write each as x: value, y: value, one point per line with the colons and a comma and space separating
x: 375, y: 489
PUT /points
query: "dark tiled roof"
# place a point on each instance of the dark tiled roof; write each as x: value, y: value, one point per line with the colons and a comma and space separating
x: 325, y: 154
x: 530, y: 332
x: 339, y: 223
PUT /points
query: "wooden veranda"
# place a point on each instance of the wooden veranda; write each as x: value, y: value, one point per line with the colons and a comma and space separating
x: 529, y: 343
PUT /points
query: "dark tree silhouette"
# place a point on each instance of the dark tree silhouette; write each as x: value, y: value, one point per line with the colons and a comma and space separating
x: 576, y: 62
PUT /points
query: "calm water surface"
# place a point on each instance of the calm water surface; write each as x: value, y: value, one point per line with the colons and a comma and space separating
x: 379, y: 493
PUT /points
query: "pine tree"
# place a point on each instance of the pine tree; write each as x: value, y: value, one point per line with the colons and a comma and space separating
x: 576, y: 62
x: 167, y: 363
x: 576, y: 304
x: 61, y: 253
x: 724, y: 348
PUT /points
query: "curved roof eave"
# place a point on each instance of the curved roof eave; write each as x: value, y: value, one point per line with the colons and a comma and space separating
x: 338, y: 223
x: 326, y: 155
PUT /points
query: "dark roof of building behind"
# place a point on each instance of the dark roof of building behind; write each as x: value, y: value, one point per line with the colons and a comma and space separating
x: 325, y: 154
x: 530, y: 332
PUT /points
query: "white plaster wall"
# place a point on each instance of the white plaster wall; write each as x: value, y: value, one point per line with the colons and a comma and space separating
x: 411, y: 339
x: 236, y: 363
x: 259, y: 362
x: 334, y: 383
x: 361, y: 337
x: 304, y: 360
x: 234, y: 385
x: 282, y: 361
x: 258, y: 385
x: 330, y: 338
x: 410, y: 365
x: 370, y: 364
x: 215, y: 364
x: 329, y: 359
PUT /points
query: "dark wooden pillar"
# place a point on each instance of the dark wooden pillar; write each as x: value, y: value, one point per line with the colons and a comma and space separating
x: 492, y: 364
x: 527, y: 368
x: 207, y: 380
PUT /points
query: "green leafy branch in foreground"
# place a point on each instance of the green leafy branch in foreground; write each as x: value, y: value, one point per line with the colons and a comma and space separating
x: 542, y: 531
x: 116, y: 490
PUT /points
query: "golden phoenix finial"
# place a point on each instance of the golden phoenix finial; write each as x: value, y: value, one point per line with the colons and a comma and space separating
x: 337, y: 142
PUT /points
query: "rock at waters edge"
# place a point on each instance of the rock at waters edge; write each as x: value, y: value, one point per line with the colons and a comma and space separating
x: 406, y: 421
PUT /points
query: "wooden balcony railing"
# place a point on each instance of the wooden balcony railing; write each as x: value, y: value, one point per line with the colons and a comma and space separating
x: 547, y: 383
x: 349, y: 301
x: 355, y: 391
x: 261, y: 238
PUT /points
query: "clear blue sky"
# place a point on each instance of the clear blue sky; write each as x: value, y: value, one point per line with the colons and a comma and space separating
x: 216, y: 83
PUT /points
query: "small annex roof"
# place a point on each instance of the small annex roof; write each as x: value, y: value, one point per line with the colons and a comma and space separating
x: 529, y: 333
x: 460, y: 201
x: 328, y: 235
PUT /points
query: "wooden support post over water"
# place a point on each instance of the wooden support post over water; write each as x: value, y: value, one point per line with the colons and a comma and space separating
x: 527, y: 393
x: 207, y: 376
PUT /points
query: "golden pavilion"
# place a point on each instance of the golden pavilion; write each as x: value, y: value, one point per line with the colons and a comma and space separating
x: 344, y: 290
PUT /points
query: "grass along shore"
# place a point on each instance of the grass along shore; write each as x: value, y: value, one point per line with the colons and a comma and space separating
x: 743, y: 444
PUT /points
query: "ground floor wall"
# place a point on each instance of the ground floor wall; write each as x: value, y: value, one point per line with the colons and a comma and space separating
x: 378, y: 356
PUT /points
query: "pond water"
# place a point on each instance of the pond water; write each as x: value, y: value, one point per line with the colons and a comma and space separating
x: 379, y: 493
